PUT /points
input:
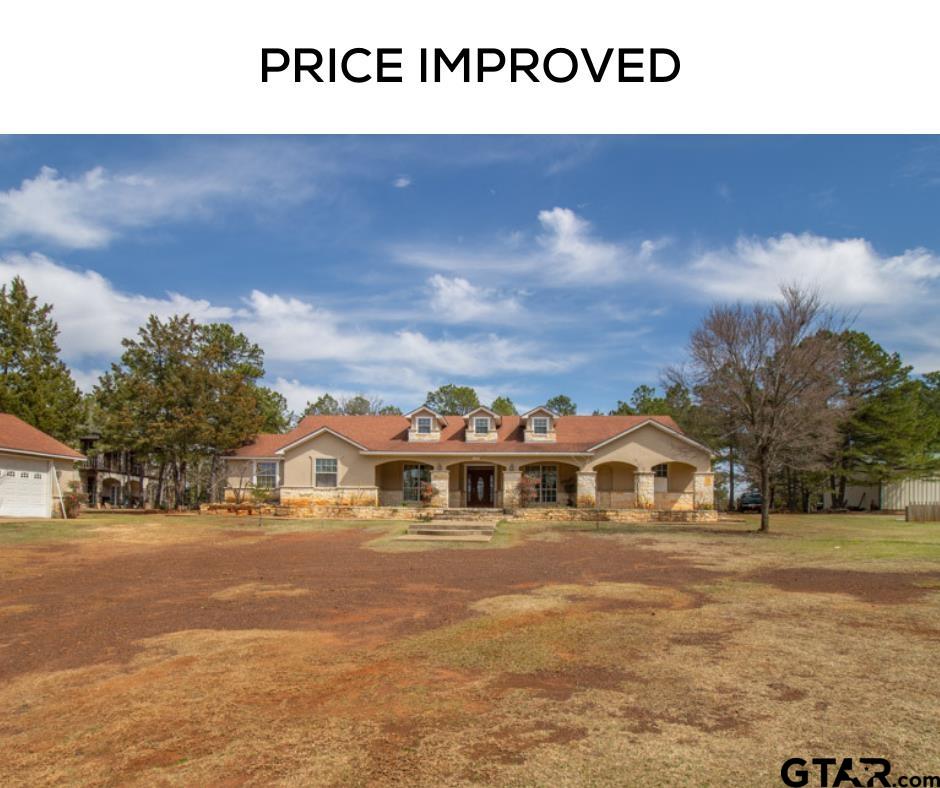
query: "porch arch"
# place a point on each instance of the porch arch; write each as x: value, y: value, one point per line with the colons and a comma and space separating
x: 616, y: 485
x: 396, y: 488
x: 565, y: 482
x: 675, y: 490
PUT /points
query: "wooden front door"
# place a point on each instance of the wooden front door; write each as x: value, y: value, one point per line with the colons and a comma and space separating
x: 481, y: 483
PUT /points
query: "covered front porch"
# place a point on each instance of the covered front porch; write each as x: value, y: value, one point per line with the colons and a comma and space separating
x: 541, y: 483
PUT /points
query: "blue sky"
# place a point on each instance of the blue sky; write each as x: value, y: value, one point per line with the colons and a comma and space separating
x: 528, y: 266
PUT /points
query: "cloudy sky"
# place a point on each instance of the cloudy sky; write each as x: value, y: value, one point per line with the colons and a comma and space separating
x: 527, y: 266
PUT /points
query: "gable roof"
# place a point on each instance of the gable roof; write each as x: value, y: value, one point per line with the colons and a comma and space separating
x: 540, y: 409
x: 652, y: 422
x: 573, y: 434
x: 496, y: 416
x: 442, y: 419
x: 319, y: 431
x: 21, y: 438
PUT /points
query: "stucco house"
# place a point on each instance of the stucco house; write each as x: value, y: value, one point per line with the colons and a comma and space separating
x: 35, y: 469
x: 477, y: 460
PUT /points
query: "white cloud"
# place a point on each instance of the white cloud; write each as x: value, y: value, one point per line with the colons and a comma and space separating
x: 847, y: 272
x: 94, y: 316
x: 91, y: 209
x: 402, y: 182
x: 569, y: 241
x: 86, y: 379
x: 566, y: 252
x: 456, y: 300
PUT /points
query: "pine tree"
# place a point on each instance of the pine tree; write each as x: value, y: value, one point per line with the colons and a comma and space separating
x: 504, y: 407
x: 451, y: 400
x: 34, y: 383
x: 562, y: 404
x: 183, y: 393
x: 888, y: 432
x: 277, y: 417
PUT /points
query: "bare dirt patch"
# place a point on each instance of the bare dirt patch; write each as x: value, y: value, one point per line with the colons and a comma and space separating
x: 100, y: 610
x: 883, y: 588
x: 560, y: 685
x: 310, y: 659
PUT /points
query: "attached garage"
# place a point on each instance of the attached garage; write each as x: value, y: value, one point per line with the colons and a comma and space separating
x: 25, y: 487
x: 34, y: 470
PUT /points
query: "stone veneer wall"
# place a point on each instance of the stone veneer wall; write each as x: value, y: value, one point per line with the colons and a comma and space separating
x: 325, y: 511
x: 684, y: 501
x: 614, y: 515
x: 329, y: 496
x: 615, y: 499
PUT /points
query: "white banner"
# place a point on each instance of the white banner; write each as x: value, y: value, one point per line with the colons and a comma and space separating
x: 547, y: 66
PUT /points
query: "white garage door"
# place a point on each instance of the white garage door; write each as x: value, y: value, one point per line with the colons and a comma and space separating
x: 24, y: 487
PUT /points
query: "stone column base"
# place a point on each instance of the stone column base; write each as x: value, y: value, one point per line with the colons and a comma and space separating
x: 645, y: 489
x: 440, y: 481
x: 587, y: 490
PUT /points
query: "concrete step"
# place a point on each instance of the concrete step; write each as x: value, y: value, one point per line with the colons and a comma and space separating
x: 439, y: 529
x: 446, y: 532
x: 448, y: 537
x: 469, y: 514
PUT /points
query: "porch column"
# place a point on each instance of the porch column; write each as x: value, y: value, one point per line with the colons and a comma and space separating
x: 511, y: 488
x: 645, y: 489
x: 587, y: 490
x: 440, y: 481
x: 703, y: 490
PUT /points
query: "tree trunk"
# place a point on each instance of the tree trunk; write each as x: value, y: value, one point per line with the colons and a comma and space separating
x: 842, y: 483
x: 161, y: 473
x: 731, y: 477
x: 765, y: 498
x: 213, y: 482
x: 180, y: 484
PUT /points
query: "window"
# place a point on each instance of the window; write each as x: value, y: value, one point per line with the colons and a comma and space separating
x: 540, y: 425
x: 24, y: 474
x: 266, y: 474
x: 481, y: 425
x: 661, y: 471
x: 424, y: 425
x: 414, y: 477
x: 326, y: 474
x: 546, y: 482
x: 11, y: 473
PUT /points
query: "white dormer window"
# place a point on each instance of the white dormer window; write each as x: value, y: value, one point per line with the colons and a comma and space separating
x: 481, y: 425
x: 540, y: 425
x: 423, y: 425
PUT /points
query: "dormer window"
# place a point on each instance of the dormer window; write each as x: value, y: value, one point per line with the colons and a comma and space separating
x: 425, y: 424
x: 539, y: 424
x: 482, y: 424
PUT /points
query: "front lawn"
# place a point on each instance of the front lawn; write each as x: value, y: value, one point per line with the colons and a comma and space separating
x: 195, y: 650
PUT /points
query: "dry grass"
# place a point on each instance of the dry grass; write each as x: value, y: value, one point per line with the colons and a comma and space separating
x: 595, y: 683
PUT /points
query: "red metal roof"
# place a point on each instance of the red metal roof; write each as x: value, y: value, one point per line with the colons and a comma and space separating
x: 390, y: 433
x: 16, y: 435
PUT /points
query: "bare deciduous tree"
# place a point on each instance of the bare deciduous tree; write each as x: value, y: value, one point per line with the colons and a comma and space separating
x: 771, y: 371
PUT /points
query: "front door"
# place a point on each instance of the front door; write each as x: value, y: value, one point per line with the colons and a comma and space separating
x: 480, y: 486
